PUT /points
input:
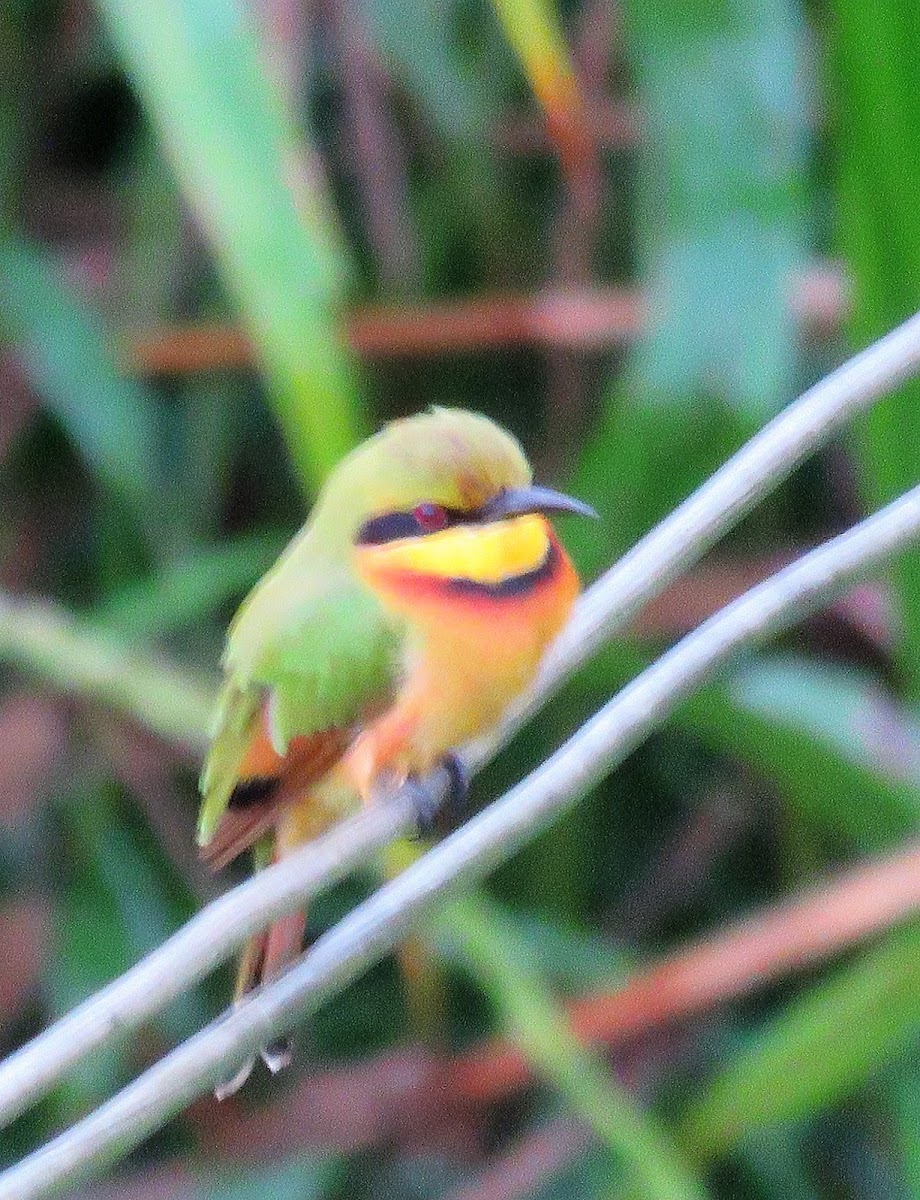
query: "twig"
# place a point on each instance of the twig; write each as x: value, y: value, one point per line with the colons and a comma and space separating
x: 376, y: 925
x: 688, y: 532
x: 216, y: 932
x: 808, y: 928
x: 200, y: 946
x: 587, y: 319
x: 805, y: 929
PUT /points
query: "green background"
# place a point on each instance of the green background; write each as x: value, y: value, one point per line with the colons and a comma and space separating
x: 315, y: 178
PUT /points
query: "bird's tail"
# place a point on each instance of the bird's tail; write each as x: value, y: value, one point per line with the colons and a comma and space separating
x: 265, y: 956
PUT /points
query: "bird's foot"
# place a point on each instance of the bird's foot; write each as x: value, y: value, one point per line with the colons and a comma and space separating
x: 276, y: 1057
x: 457, y: 801
x: 437, y: 815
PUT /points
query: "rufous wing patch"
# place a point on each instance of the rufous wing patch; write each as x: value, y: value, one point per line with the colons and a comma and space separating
x: 271, y: 785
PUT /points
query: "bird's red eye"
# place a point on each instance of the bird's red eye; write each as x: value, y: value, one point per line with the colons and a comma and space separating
x: 430, y: 517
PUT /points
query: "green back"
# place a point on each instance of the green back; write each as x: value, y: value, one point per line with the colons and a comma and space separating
x: 313, y: 641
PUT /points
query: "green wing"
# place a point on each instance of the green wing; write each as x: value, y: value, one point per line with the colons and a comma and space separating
x: 322, y: 652
x: 331, y: 666
x: 236, y: 712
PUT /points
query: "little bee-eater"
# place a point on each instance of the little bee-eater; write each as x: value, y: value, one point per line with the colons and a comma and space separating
x: 401, y: 622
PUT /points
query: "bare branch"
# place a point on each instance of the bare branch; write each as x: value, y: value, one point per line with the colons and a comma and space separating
x: 411, y: 1089
x: 376, y: 925
x: 688, y: 532
x: 576, y: 319
x: 807, y: 928
x: 196, y: 949
x: 215, y: 933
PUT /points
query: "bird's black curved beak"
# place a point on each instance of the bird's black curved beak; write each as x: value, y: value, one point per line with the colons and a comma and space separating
x: 514, y: 502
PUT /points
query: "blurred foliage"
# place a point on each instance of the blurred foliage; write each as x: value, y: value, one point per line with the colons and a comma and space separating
x: 877, y: 173
x: 255, y: 189
x: 278, y: 165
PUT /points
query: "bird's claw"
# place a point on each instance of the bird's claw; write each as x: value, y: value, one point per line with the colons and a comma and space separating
x: 433, y: 813
x: 457, y: 799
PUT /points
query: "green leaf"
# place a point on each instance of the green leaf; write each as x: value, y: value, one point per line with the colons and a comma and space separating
x: 190, y: 588
x: 78, y: 657
x: 876, y: 75
x: 721, y: 229
x: 113, y: 906
x: 570, y: 958
x: 904, y: 1096
x: 294, y: 1179
x: 723, y: 224
x: 256, y: 191
x: 820, y: 733
x: 90, y: 949
x: 147, y: 905
x: 150, y: 259
x: 534, y: 31
x: 823, y: 734
x: 65, y: 350
x: 775, y: 1158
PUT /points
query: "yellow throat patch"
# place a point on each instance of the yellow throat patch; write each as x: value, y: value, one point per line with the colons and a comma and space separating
x: 486, y: 554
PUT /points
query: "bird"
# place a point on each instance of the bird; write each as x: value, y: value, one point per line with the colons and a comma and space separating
x: 412, y: 608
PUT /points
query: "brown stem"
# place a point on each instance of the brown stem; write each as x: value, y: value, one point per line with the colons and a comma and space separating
x: 583, y: 319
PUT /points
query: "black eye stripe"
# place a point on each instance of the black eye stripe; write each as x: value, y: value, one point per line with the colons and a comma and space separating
x: 388, y: 528
x: 391, y: 526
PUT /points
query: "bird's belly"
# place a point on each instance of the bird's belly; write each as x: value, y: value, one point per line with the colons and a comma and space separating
x: 471, y: 655
x: 469, y: 672
x: 465, y: 694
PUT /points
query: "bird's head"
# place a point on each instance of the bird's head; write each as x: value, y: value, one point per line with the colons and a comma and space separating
x: 445, y: 495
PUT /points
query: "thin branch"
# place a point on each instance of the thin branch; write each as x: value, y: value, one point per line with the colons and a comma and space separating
x: 218, y: 930
x: 376, y: 925
x: 803, y: 930
x: 809, y: 927
x: 202, y: 944
x: 690, y: 529
x: 586, y: 319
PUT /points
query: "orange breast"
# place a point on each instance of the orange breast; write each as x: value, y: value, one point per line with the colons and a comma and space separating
x: 477, y: 638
